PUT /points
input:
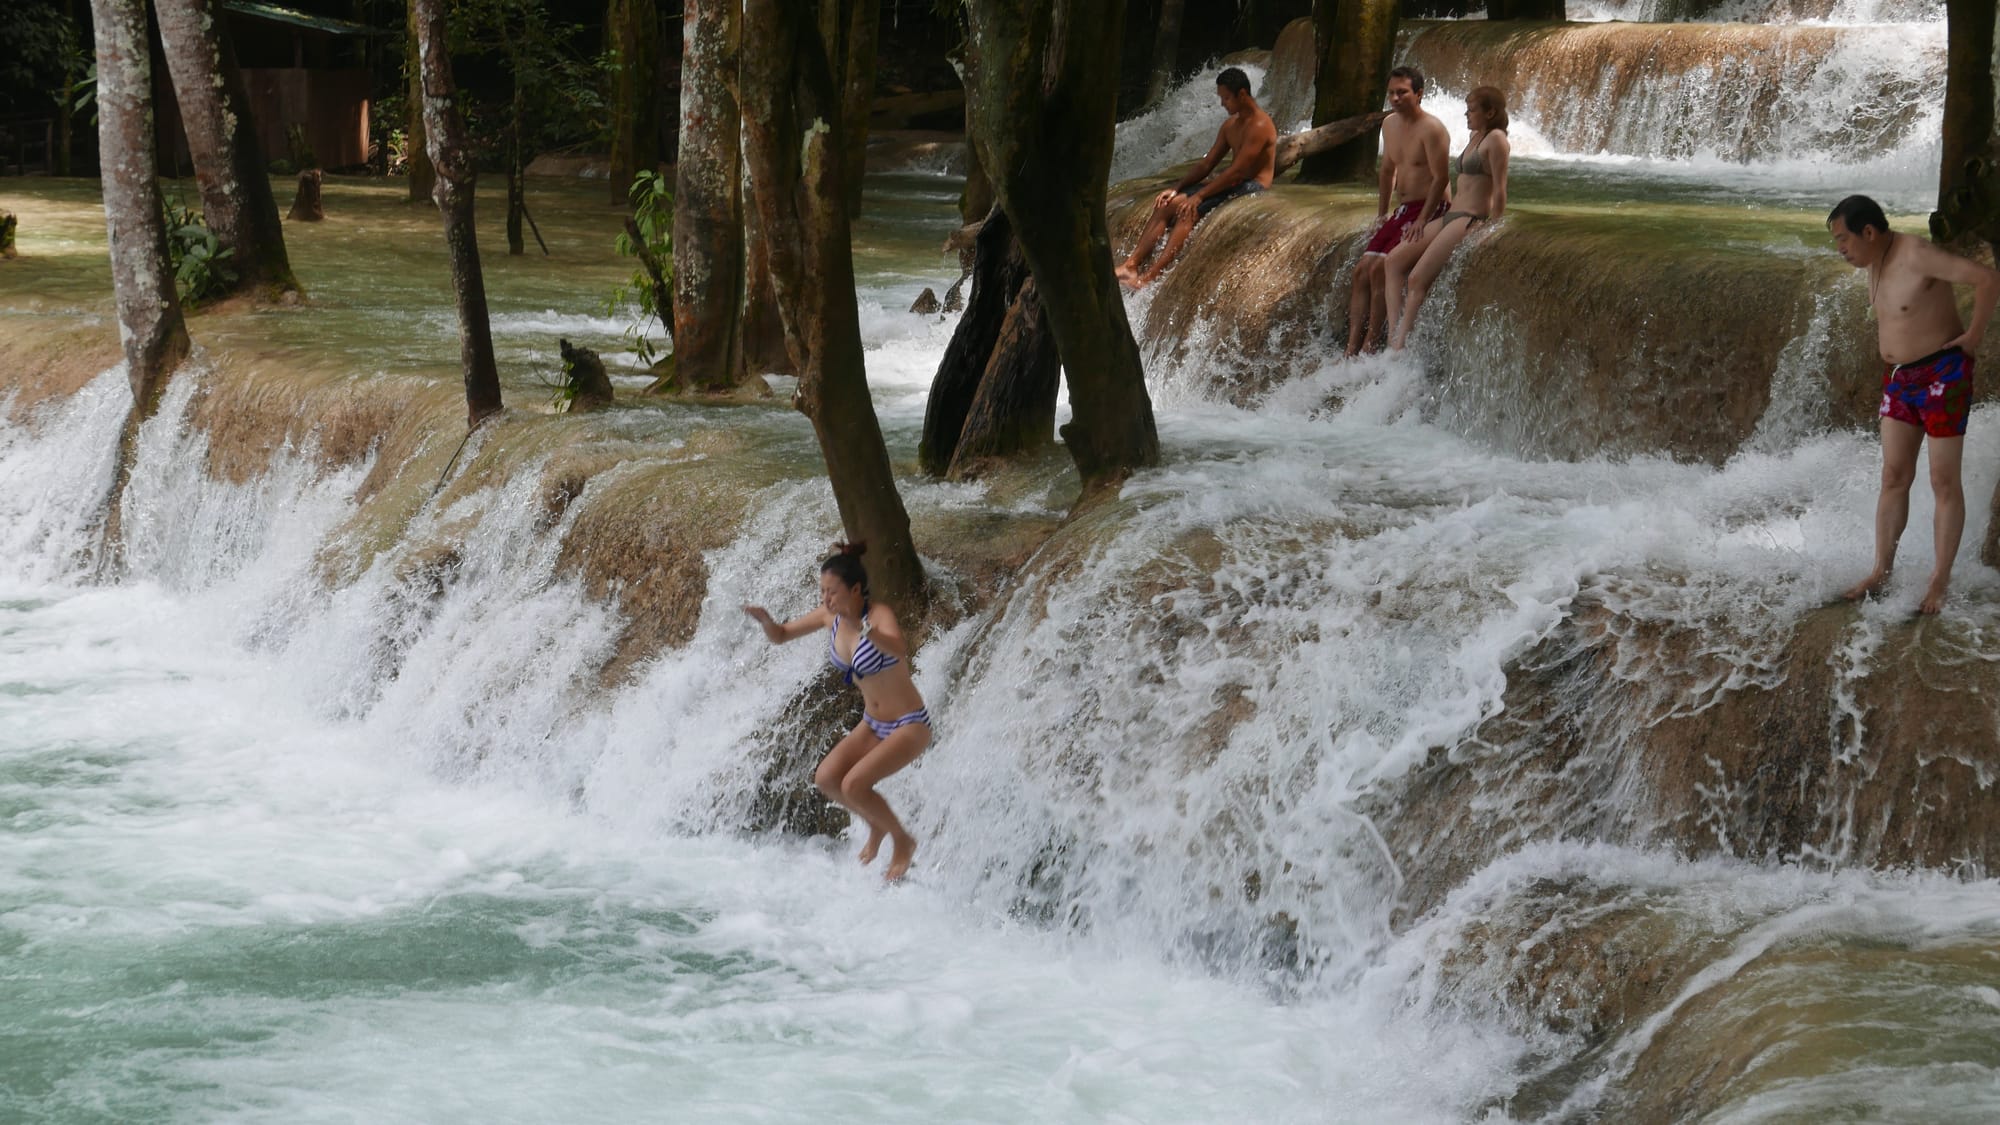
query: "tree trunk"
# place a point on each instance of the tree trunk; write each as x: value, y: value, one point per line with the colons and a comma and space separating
x: 306, y: 205
x: 1969, y: 172
x: 1299, y: 146
x: 1015, y: 409
x: 792, y: 144
x: 634, y: 30
x: 998, y: 272
x: 851, y: 32
x: 149, y: 310
x: 416, y: 147
x: 236, y: 199
x: 452, y: 159
x: 517, y: 173
x: 707, y: 308
x: 1166, y: 48
x: 1526, y: 10
x: 1047, y: 79
x: 1357, y: 43
x: 8, y: 224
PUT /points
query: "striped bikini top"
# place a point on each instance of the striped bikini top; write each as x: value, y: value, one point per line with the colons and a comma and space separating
x: 868, y: 659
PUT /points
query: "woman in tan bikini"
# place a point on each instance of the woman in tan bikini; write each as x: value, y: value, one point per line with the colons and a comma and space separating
x: 1480, y: 197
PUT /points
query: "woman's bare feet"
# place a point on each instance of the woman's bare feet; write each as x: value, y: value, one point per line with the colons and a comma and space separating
x: 1866, y: 587
x: 904, y: 850
x: 874, y: 845
x: 1933, y: 602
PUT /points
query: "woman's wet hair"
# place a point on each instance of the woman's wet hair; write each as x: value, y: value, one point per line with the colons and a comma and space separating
x: 845, y: 564
x: 1491, y: 102
x: 1233, y: 80
x: 1857, y: 213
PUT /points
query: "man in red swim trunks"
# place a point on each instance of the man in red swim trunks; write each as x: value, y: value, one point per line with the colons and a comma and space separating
x: 1415, y: 152
x: 1927, y: 388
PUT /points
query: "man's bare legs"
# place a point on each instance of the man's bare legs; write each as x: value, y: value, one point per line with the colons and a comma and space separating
x: 1900, y: 442
x: 1183, y: 227
x: 1365, y: 309
x: 1949, y: 524
x: 1156, y: 225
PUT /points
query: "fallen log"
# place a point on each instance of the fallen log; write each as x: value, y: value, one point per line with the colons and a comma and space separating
x: 1312, y: 142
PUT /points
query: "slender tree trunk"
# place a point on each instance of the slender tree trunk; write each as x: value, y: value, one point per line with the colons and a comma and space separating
x: 634, y: 27
x: 149, y: 312
x: 416, y: 146
x: 1015, y: 409
x: 1166, y: 48
x: 1969, y: 171
x: 1047, y: 78
x: 708, y: 201
x: 791, y: 114
x: 517, y: 173
x: 236, y: 198
x: 851, y: 32
x: 998, y: 272
x: 1357, y: 43
x: 452, y: 158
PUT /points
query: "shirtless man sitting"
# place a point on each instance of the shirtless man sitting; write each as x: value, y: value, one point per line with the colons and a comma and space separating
x: 1415, y: 152
x: 1250, y: 134
x: 1927, y: 387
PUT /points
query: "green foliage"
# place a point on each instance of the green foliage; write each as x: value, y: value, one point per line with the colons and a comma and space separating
x: 653, y: 214
x: 200, y: 264
x: 559, y: 100
x: 563, y: 389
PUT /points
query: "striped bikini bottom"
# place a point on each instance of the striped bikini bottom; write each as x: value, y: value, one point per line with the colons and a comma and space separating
x: 883, y: 729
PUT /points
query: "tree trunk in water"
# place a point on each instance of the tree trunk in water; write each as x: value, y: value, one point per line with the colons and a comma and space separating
x: 998, y: 272
x: 445, y: 132
x: 1015, y: 409
x: 1166, y: 47
x: 793, y: 134
x: 1047, y: 79
x: 634, y: 29
x: 149, y: 312
x: 1357, y: 42
x: 306, y: 205
x: 236, y: 198
x: 707, y: 308
x: 851, y: 31
x: 1299, y: 146
x: 517, y: 175
x: 416, y: 147
x: 1526, y: 10
x: 8, y: 225
x: 1969, y: 173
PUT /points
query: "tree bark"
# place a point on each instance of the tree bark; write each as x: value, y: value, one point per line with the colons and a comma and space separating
x: 851, y: 32
x: 237, y: 203
x: 1166, y: 48
x: 416, y: 146
x: 1015, y: 408
x: 998, y: 272
x: 1357, y: 43
x: 1526, y: 10
x: 452, y: 159
x: 707, y: 307
x: 1969, y: 172
x: 1295, y: 147
x: 793, y: 134
x: 8, y: 225
x: 1047, y: 78
x: 634, y: 28
x: 149, y: 310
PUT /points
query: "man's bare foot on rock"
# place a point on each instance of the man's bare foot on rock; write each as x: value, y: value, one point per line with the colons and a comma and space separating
x: 1933, y: 602
x: 1127, y: 275
x: 903, y: 851
x: 869, y: 849
x: 1866, y: 587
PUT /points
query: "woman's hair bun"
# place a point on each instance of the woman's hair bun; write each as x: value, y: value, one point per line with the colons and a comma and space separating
x: 857, y: 548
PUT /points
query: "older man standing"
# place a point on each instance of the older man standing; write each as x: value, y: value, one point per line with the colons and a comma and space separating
x: 1927, y: 386
x: 1415, y: 153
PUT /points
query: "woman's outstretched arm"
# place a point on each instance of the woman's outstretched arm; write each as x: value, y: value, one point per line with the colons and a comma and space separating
x: 779, y: 632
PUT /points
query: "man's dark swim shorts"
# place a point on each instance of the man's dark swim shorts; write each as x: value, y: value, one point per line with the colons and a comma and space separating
x: 1247, y: 187
x: 1934, y: 392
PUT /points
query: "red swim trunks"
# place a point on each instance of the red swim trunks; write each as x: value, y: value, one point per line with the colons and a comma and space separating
x: 1934, y: 392
x: 1399, y: 220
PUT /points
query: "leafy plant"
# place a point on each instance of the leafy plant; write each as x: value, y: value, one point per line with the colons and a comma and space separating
x: 199, y: 260
x: 651, y: 285
x: 564, y: 389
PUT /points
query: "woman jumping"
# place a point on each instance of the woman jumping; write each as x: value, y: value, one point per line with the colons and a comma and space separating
x: 864, y: 642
